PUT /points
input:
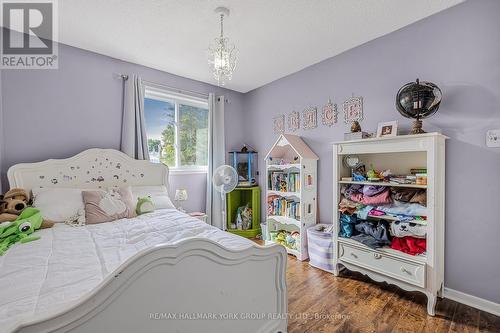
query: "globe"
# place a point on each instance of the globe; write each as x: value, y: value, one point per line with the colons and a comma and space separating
x: 418, y: 100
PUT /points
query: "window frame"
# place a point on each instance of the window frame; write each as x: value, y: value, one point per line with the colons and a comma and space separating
x: 179, y: 98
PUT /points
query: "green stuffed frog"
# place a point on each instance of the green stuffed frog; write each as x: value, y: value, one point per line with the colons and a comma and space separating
x: 19, y: 230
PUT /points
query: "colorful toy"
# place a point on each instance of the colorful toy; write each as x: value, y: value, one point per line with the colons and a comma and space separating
x: 144, y: 205
x: 20, y: 229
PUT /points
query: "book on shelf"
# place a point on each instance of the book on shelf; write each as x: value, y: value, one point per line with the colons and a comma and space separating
x: 282, y: 207
x: 284, y: 181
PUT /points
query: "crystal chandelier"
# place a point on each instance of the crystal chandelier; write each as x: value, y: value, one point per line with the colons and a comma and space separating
x: 222, y: 54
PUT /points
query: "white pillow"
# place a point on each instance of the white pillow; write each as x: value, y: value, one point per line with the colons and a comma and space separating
x: 158, y: 194
x: 60, y: 204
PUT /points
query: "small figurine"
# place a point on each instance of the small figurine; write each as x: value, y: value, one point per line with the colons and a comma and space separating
x: 358, y: 177
x: 355, y: 127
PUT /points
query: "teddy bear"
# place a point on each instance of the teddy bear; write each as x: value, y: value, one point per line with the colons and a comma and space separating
x: 13, y: 203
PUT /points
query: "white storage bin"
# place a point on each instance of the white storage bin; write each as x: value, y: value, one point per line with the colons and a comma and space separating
x: 320, y: 246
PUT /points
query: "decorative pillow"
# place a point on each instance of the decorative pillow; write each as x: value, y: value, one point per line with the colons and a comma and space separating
x: 157, y: 193
x: 60, y: 204
x: 105, y: 206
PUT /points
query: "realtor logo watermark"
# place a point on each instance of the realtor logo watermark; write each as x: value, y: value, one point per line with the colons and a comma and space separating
x: 28, y: 34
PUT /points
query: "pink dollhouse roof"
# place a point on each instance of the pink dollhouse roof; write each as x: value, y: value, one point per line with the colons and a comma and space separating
x: 296, y: 142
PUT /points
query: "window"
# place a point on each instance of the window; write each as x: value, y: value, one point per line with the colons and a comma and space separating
x: 177, y: 130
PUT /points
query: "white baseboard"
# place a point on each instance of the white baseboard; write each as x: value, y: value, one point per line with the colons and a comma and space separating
x: 475, y: 302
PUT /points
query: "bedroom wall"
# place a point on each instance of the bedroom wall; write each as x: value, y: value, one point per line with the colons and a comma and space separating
x: 58, y: 113
x: 459, y: 50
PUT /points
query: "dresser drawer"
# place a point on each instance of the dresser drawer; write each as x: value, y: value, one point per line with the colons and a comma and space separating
x: 407, y: 271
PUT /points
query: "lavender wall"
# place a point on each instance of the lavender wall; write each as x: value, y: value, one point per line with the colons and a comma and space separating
x: 459, y: 50
x: 58, y: 113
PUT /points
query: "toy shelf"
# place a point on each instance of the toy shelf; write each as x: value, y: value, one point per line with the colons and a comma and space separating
x: 241, y: 196
x: 400, y: 155
x: 291, y: 165
x: 382, y: 184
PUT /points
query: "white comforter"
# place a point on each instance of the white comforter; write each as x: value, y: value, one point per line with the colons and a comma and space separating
x: 45, y: 276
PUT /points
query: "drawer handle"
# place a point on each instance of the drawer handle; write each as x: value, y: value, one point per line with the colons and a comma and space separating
x: 404, y: 270
x: 354, y: 255
x: 377, y: 255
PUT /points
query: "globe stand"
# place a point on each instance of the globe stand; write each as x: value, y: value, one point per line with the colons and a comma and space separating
x: 417, y: 127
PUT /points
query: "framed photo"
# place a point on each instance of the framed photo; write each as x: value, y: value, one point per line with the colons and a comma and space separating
x: 279, y: 124
x: 389, y: 128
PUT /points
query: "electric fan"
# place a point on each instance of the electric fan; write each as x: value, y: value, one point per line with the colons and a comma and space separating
x: 225, y: 179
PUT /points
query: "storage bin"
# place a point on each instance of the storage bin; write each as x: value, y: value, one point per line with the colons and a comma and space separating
x: 320, y: 247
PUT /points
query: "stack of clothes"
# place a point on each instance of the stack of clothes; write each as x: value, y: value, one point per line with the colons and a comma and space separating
x: 406, y: 234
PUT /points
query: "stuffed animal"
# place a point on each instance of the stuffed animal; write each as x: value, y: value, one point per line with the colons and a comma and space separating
x: 19, y: 230
x: 13, y: 203
x: 144, y: 205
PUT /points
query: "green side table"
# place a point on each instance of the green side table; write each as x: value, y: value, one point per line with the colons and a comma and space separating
x: 240, y: 196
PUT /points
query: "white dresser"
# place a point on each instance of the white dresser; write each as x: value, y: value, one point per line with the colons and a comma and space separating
x: 423, y: 273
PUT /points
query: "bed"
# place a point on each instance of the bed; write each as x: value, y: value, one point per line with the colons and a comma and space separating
x: 160, y: 272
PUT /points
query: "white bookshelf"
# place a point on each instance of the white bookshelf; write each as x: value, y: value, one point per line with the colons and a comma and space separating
x: 290, y: 154
x: 424, y: 273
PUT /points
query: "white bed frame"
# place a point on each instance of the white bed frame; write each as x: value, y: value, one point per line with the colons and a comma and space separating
x: 195, y: 285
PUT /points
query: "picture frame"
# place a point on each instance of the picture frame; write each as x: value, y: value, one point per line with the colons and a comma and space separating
x: 388, y: 128
x: 329, y: 114
x: 310, y: 118
x: 353, y: 109
x: 293, y: 121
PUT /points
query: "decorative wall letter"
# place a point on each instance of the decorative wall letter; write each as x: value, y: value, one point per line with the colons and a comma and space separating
x: 310, y: 118
x: 353, y: 109
x: 329, y: 113
x: 279, y: 124
x: 293, y: 121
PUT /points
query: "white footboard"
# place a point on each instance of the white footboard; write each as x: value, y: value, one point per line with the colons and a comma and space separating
x: 193, y: 286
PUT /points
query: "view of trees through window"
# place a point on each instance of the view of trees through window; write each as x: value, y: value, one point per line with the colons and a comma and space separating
x: 190, y: 147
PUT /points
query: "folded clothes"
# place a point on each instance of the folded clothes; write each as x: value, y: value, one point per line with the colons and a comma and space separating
x: 403, y: 229
x: 371, y: 190
x: 413, y: 219
x: 410, y: 245
x: 382, y: 198
x: 410, y: 195
x: 363, y: 212
x: 375, y: 212
x: 348, y: 207
x: 349, y: 190
x: 378, y: 230
x: 404, y: 208
x: 347, y: 223
x: 373, y: 234
x: 369, y: 241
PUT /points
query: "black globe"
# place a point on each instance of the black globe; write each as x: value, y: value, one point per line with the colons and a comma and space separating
x: 418, y: 100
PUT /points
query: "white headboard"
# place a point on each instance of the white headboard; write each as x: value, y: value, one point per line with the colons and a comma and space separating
x: 92, y: 168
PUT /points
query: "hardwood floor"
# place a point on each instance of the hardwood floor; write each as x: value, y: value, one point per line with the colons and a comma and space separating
x: 321, y: 302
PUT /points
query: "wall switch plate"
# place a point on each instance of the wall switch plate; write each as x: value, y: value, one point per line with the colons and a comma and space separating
x: 493, y: 138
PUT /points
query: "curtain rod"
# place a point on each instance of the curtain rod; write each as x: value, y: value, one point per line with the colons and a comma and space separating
x: 181, y: 91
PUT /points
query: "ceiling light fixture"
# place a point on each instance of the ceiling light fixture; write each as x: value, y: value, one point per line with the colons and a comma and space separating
x: 222, y: 54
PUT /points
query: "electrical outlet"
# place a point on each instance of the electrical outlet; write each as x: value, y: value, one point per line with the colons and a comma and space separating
x: 493, y: 138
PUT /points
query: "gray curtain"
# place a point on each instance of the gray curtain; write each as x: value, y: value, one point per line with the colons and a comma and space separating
x: 134, y: 141
x: 216, y: 157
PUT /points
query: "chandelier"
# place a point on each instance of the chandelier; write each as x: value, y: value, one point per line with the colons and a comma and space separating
x: 222, y: 54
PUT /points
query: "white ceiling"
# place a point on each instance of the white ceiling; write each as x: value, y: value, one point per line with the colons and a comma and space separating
x: 274, y: 37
